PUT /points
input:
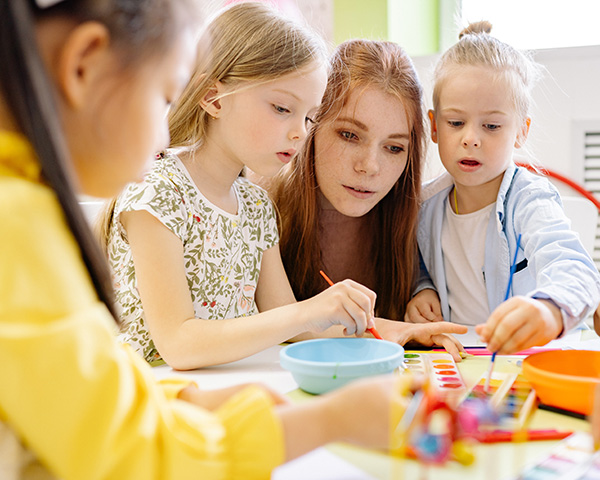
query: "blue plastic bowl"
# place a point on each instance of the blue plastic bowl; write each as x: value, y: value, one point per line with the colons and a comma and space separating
x: 321, y: 365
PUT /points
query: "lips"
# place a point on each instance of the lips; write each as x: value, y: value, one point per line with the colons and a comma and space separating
x: 359, y: 192
x: 469, y: 163
x: 286, y: 155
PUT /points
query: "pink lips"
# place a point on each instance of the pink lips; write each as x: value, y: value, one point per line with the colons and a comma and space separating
x: 469, y: 164
x: 359, y: 192
x: 286, y: 155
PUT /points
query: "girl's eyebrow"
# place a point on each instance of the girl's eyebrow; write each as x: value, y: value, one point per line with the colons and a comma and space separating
x: 363, y: 127
x: 287, y: 92
x: 458, y: 110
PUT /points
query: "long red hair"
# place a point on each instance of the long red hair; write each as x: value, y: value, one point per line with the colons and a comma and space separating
x: 355, y: 64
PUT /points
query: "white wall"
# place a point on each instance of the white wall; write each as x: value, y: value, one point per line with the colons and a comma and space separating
x: 569, y: 92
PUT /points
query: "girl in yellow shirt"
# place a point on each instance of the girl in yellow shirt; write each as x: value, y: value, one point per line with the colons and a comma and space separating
x: 84, y: 89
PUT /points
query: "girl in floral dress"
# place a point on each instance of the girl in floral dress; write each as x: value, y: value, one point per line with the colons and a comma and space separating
x: 195, y: 242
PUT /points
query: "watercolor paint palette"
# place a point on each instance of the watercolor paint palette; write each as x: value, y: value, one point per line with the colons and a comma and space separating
x: 518, y: 404
x: 440, y: 367
x: 499, y: 384
x: 573, y: 458
x: 511, y: 396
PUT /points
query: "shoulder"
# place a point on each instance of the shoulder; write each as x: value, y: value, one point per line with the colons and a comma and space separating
x: 432, y: 188
x: 164, y: 186
x: 528, y: 186
x: 252, y: 195
x: 25, y: 205
x: 36, y: 242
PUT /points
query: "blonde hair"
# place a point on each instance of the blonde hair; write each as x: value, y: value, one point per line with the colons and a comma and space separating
x: 248, y: 42
x: 476, y: 47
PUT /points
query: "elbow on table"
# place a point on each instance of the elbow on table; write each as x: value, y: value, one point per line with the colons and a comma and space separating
x: 179, y: 357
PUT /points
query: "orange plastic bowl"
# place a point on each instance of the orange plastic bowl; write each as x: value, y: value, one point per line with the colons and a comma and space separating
x: 564, y: 378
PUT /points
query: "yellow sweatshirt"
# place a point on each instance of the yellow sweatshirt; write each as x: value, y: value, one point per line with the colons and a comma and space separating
x: 86, y: 407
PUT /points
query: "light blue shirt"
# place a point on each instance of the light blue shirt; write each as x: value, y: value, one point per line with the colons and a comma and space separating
x: 552, y: 262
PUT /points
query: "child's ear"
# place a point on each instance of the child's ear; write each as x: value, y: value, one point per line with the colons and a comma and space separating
x: 82, y: 60
x: 210, y: 102
x: 434, y: 135
x: 523, y: 133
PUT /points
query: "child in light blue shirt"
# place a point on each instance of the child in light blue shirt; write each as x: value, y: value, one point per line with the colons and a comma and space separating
x: 472, y: 216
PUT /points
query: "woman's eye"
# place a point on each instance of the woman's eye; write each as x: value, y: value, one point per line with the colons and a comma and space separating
x: 492, y: 126
x: 455, y: 123
x: 280, y: 109
x: 395, y: 149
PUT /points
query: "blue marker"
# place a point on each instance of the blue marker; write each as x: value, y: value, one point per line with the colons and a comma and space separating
x: 513, y: 267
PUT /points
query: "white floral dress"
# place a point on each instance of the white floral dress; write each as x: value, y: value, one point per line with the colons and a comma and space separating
x: 222, y: 251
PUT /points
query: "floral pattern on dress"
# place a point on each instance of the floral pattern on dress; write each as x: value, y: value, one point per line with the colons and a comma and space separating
x: 222, y: 251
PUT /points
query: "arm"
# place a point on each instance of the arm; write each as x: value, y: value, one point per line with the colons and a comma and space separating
x: 567, y: 285
x: 424, y: 279
x: 85, y: 406
x: 371, y: 403
x: 520, y: 323
x: 187, y: 342
x: 597, y: 323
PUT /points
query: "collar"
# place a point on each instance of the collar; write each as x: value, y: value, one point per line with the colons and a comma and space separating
x: 17, y: 157
x: 504, y: 190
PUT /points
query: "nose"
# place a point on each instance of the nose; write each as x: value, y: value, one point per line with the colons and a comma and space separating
x: 471, y: 138
x: 298, y: 132
x: 367, y: 163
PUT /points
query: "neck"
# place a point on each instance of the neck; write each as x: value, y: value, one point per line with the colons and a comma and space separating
x: 473, y: 198
x: 214, y: 171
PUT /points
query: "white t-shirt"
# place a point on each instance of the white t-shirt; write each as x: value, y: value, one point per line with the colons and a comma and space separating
x: 463, y: 249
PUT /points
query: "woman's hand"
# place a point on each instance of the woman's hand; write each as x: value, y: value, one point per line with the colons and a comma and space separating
x: 427, y: 334
x: 424, y: 307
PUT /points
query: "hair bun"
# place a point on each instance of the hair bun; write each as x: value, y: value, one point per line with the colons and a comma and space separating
x: 476, y: 28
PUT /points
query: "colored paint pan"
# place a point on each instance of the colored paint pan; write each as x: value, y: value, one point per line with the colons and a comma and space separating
x: 441, y: 369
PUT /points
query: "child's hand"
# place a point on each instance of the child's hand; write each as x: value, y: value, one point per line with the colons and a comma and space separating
x: 520, y: 323
x: 346, y: 303
x: 424, y: 307
x: 361, y: 411
x: 428, y: 334
x: 597, y: 320
x: 213, y: 399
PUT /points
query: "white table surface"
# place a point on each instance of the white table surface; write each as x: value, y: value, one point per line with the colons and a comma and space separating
x: 262, y: 367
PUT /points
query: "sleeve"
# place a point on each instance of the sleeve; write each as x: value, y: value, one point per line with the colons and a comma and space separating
x: 160, y: 196
x: 423, y: 279
x: 87, y: 406
x: 564, y: 272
